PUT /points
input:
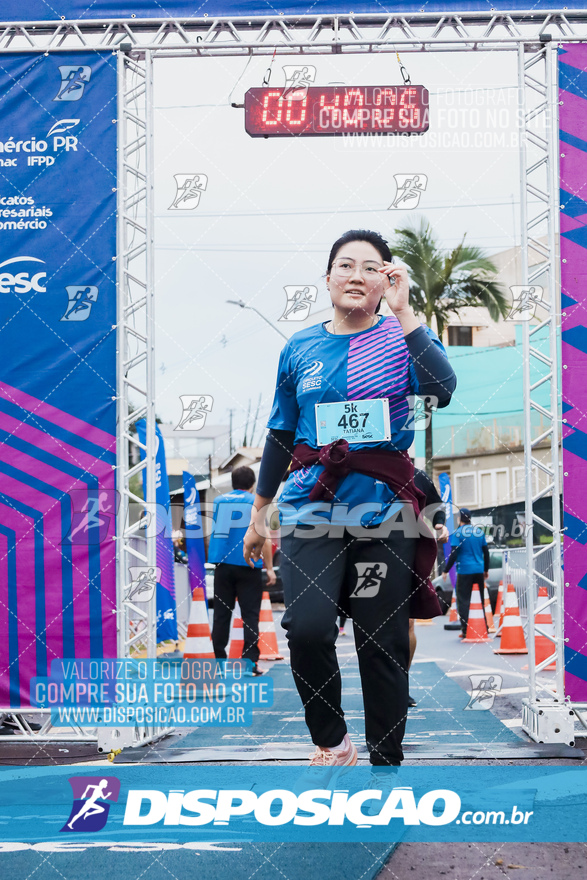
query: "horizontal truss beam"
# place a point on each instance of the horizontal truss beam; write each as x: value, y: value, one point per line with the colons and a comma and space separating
x: 304, y: 34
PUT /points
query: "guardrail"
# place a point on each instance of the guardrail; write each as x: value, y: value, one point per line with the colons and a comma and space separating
x: 515, y: 573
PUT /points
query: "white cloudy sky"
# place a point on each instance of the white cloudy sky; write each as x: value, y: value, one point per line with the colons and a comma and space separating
x: 273, y: 207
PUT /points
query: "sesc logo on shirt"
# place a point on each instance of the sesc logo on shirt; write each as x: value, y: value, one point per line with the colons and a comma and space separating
x: 311, y: 378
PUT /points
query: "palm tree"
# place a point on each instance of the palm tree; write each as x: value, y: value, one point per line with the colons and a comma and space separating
x: 443, y: 283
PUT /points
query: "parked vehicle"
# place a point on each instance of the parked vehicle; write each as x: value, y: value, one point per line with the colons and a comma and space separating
x: 443, y: 586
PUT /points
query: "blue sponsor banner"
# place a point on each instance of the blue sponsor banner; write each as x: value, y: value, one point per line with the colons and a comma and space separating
x: 194, y: 534
x: 166, y: 608
x: 58, y: 366
x: 446, y: 495
x: 287, y: 804
x: 41, y: 10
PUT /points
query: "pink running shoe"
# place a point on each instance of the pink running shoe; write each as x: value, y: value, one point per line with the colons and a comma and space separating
x: 346, y: 756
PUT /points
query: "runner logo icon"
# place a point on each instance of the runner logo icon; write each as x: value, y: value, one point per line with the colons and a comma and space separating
x: 144, y: 581
x: 90, y: 802
x: 297, y: 80
x: 409, y: 188
x: 525, y: 299
x: 484, y: 689
x: 195, y: 409
x: 369, y: 578
x: 80, y: 301
x: 74, y: 80
x: 298, y: 302
x: 189, y: 188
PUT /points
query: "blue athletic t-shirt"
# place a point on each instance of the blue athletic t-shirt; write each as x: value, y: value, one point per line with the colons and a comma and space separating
x: 232, y: 515
x: 469, y: 540
x: 316, y: 366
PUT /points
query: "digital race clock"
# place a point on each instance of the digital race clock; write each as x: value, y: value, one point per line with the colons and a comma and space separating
x: 336, y: 110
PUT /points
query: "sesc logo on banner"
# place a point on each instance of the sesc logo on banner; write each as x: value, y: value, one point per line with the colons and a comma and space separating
x: 13, y: 281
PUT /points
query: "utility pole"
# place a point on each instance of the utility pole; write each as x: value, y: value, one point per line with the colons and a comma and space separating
x: 230, y: 444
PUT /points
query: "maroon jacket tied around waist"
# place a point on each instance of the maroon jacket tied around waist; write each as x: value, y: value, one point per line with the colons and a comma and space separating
x: 395, y: 469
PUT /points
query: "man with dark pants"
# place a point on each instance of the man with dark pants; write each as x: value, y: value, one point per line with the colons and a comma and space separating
x: 471, y: 554
x: 233, y: 578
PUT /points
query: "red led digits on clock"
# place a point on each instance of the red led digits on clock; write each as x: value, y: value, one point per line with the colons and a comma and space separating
x: 295, y: 113
x: 327, y: 111
x: 296, y: 108
x: 337, y: 110
x: 276, y: 119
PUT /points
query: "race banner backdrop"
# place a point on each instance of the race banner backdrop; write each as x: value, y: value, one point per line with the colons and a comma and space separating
x: 573, y: 249
x: 41, y: 10
x: 446, y: 495
x: 166, y: 606
x: 194, y: 534
x: 58, y: 363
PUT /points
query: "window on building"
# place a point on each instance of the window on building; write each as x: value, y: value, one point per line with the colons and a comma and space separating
x: 459, y: 335
x: 493, y: 487
x: 465, y: 489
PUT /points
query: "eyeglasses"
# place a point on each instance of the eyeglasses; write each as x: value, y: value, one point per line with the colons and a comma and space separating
x: 344, y: 268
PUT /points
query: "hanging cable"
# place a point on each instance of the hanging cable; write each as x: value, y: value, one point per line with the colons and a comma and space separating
x: 267, y: 76
x: 238, y: 80
x: 403, y: 71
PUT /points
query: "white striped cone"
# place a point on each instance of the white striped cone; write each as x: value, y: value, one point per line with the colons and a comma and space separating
x: 488, y: 613
x: 198, y: 642
x: 454, y: 622
x: 268, y: 649
x: 453, y: 615
x: 500, y: 607
x: 237, y: 634
x: 512, y: 632
x: 476, y: 627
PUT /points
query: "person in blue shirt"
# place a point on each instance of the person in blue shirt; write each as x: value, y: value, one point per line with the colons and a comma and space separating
x: 233, y: 578
x: 471, y: 554
x: 349, y: 509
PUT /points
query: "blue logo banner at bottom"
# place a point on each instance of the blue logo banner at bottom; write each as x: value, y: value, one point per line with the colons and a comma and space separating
x: 179, y: 804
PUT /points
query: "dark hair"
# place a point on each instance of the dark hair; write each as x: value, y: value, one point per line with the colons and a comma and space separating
x: 243, y: 478
x: 374, y: 238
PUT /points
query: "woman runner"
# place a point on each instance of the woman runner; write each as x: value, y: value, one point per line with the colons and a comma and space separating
x: 348, y: 540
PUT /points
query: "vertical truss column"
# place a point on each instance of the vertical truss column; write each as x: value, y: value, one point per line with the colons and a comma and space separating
x: 136, y: 385
x: 545, y: 716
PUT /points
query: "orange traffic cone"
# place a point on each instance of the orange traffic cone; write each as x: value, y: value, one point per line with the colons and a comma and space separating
x: 488, y: 613
x: 453, y: 615
x: 512, y: 635
x: 268, y: 649
x: 476, y: 628
x: 198, y: 642
x: 237, y: 634
x: 543, y: 646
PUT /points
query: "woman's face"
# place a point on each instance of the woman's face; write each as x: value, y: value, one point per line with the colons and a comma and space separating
x: 354, y: 280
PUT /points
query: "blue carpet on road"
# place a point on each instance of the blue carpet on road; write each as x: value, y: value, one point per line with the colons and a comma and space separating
x: 440, y: 715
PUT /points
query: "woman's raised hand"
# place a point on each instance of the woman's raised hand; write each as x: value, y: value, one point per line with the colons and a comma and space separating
x: 398, y: 294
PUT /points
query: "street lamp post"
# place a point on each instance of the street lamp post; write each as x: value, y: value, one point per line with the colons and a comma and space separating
x: 243, y: 305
